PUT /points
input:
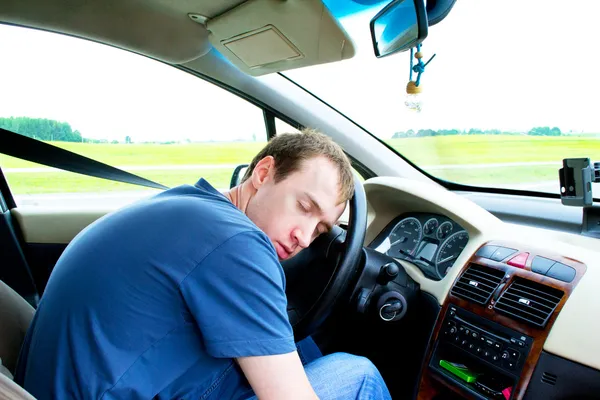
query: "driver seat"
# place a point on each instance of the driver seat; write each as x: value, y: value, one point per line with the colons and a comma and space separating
x: 15, y: 316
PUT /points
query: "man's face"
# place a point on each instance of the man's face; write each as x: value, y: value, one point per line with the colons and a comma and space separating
x: 294, y: 211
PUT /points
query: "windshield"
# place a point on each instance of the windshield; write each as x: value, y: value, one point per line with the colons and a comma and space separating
x: 511, y: 92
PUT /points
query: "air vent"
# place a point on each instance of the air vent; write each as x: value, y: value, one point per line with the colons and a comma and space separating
x: 529, y: 301
x: 549, y: 378
x: 477, y: 283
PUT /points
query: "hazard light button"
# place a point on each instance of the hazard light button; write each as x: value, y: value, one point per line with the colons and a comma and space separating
x: 519, y: 260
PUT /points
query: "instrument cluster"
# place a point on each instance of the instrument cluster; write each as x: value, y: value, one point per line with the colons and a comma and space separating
x: 433, y: 242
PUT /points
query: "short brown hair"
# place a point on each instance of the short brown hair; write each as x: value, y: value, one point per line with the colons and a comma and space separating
x: 290, y: 149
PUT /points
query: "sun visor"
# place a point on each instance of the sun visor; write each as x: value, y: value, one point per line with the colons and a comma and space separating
x: 266, y: 36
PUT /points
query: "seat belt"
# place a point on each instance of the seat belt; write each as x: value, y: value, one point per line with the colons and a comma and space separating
x: 23, y: 147
x: 15, y: 270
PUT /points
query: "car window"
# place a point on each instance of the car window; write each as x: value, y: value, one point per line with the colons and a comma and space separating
x: 284, y: 127
x: 501, y: 105
x: 119, y: 108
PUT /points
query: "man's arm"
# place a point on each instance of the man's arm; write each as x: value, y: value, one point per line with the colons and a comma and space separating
x: 278, y: 377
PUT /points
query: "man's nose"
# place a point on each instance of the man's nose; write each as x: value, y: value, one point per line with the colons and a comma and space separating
x: 303, y: 237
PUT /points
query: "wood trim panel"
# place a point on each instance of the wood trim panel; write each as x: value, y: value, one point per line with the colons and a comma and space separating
x: 431, y: 384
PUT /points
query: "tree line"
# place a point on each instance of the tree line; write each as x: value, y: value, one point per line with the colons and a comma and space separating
x: 41, y: 129
x: 51, y: 130
x: 537, y: 131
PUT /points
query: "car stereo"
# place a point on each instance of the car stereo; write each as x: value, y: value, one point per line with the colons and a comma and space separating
x: 489, y: 353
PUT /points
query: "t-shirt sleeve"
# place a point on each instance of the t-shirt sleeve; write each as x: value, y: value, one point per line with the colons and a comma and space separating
x: 237, y: 297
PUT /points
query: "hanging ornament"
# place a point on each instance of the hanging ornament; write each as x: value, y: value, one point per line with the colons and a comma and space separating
x: 414, y: 99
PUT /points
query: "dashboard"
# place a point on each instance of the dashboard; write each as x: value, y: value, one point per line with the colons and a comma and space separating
x: 507, y: 317
x: 433, y: 242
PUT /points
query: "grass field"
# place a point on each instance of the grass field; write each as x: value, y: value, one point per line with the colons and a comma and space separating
x: 427, y: 152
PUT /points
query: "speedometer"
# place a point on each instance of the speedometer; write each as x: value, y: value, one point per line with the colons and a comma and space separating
x: 405, y: 237
x: 449, y: 251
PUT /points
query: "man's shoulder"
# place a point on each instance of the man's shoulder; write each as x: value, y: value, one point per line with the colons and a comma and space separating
x: 207, y: 209
x: 212, y: 218
x: 184, y: 219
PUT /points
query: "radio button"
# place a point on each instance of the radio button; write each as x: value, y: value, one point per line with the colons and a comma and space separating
x: 514, y: 354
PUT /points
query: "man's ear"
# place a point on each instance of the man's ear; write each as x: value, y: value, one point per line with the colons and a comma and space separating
x: 263, y: 171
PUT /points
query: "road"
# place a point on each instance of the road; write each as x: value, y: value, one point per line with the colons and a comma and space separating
x: 112, y: 200
x: 174, y: 167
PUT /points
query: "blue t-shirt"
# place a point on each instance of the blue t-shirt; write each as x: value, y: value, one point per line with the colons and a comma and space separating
x: 156, y: 300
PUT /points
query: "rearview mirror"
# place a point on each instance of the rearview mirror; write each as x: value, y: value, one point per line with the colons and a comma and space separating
x: 398, y: 27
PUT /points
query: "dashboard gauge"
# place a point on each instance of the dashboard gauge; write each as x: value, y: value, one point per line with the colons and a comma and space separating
x: 405, y: 237
x: 430, y: 226
x: 449, y: 252
x: 444, y: 230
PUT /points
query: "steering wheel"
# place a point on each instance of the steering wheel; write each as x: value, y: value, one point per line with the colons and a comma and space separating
x: 320, y: 276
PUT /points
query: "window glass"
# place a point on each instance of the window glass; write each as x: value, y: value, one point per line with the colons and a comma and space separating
x: 119, y: 108
x: 500, y: 106
x: 284, y: 127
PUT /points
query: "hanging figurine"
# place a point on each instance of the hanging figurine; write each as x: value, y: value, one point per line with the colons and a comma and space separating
x: 414, y: 100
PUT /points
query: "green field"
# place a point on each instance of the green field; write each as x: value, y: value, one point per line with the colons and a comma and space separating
x: 155, y: 154
x: 485, y: 149
x: 426, y: 152
x: 495, y: 149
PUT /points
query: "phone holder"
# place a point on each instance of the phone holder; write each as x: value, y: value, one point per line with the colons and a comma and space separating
x: 576, y: 178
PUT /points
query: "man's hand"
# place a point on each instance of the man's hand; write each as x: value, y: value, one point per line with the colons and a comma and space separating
x: 277, y: 377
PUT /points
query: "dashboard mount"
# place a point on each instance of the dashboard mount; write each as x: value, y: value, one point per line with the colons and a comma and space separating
x: 576, y: 178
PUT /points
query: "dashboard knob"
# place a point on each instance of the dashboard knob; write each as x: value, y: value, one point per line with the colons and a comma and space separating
x: 388, y: 273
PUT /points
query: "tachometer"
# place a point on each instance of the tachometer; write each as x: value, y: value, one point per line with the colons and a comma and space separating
x: 405, y: 237
x: 449, y: 251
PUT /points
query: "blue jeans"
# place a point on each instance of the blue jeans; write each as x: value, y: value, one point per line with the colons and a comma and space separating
x: 341, y: 375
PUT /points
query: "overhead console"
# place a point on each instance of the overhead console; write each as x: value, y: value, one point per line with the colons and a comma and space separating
x: 494, y: 322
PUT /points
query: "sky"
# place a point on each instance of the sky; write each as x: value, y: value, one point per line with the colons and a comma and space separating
x: 500, y: 64
x: 108, y: 93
